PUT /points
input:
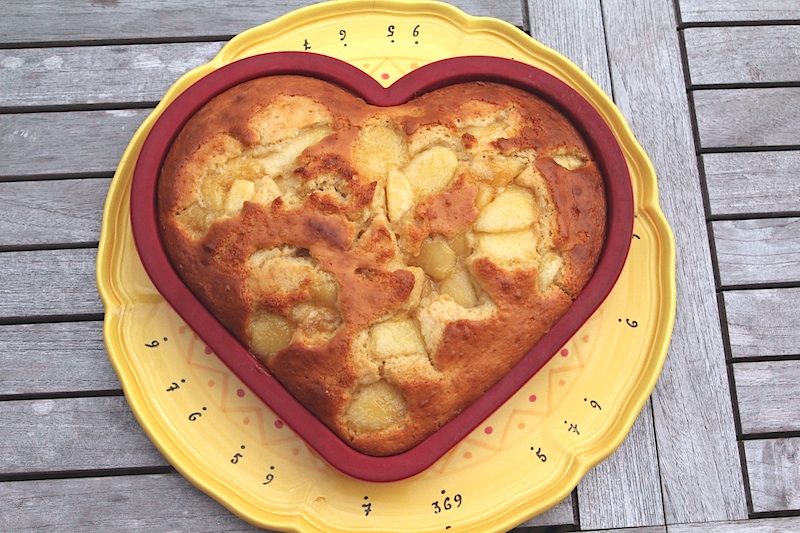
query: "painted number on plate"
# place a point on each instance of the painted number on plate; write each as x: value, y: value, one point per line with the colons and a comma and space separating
x: 447, y: 503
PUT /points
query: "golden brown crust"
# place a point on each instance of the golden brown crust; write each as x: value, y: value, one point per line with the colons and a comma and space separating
x: 387, y: 265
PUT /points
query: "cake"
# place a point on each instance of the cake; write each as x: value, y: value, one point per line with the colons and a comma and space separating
x: 387, y: 265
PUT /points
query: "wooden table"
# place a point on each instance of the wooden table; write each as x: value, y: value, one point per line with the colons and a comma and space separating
x: 711, y: 89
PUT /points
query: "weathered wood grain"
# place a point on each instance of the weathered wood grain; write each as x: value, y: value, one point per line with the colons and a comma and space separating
x: 73, y: 143
x: 773, y: 467
x: 36, y: 213
x: 645, y: 529
x: 151, y: 502
x: 740, y: 183
x: 157, y: 502
x: 573, y: 28
x: 562, y: 514
x: 738, y: 10
x: 53, y: 358
x: 46, y: 283
x: 760, y: 525
x: 623, y: 490
x: 763, y: 322
x: 22, y: 22
x: 758, y: 251
x: 84, y: 75
x: 743, y: 54
x: 700, y: 471
x: 72, y: 434
x: 732, y: 118
x: 768, y: 395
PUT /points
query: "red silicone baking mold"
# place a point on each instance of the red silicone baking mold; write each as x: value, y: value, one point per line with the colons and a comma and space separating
x: 327, y: 444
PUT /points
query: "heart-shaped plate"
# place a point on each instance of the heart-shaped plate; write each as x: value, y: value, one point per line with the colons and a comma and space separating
x: 600, y: 138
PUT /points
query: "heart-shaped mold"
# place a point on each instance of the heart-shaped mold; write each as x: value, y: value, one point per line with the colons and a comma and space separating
x: 602, y: 143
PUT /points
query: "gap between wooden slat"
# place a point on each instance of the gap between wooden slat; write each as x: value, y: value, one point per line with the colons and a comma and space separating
x: 61, y: 395
x: 78, y: 474
x: 737, y: 23
x: 22, y: 320
x: 66, y: 108
x: 116, y: 42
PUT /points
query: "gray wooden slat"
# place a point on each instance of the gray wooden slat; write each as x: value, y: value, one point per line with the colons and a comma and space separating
x: 48, y: 283
x: 700, y: 471
x: 738, y: 10
x: 57, y: 435
x: 562, y: 514
x: 758, y: 250
x: 763, y: 322
x: 743, y: 54
x: 768, y: 395
x: 623, y: 490
x: 645, y: 529
x: 54, y: 358
x: 128, y: 19
x: 36, y: 213
x: 136, y: 503
x: 157, y: 502
x: 72, y: 143
x: 575, y: 29
x: 739, y: 183
x: 760, y: 525
x: 22, y: 22
x: 773, y: 466
x: 748, y: 117
x: 96, y: 74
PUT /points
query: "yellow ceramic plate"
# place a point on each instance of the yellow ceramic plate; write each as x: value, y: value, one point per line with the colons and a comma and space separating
x: 523, y: 459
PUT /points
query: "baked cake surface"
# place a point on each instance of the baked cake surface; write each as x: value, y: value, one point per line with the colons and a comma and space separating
x: 387, y: 265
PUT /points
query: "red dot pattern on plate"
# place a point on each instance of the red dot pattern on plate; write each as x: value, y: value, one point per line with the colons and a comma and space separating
x: 562, y: 382
x: 384, y: 76
x: 278, y: 424
x: 208, y: 350
x: 488, y: 430
x: 211, y: 383
x: 240, y: 393
x: 585, y: 338
x: 295, y: 451
x: 532, y: 398
x: 521, y: 425
x: 564, y: 352
x: 467, y: 455
x: 246, y: 421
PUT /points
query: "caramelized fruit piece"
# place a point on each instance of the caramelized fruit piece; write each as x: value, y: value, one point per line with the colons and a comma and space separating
x: 432, y: 170
x: 513, y: 209
x: 286, y: 116
x: 510, y: 248
x: 379, y: 149
x: 549, y: 267
x: 569, y: 157
x: 458, y: 286
x: 436, y: 258
x: 399, y: 194
x: 270, y: 333
x: 375, y: 407
x: 240, y: 192
x: 324, y: 290
x: 281, y: 158
x: 395, y: 338
x: 461, y: 244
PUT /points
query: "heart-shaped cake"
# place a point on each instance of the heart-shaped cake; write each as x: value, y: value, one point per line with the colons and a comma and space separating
x: 387, y: 264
